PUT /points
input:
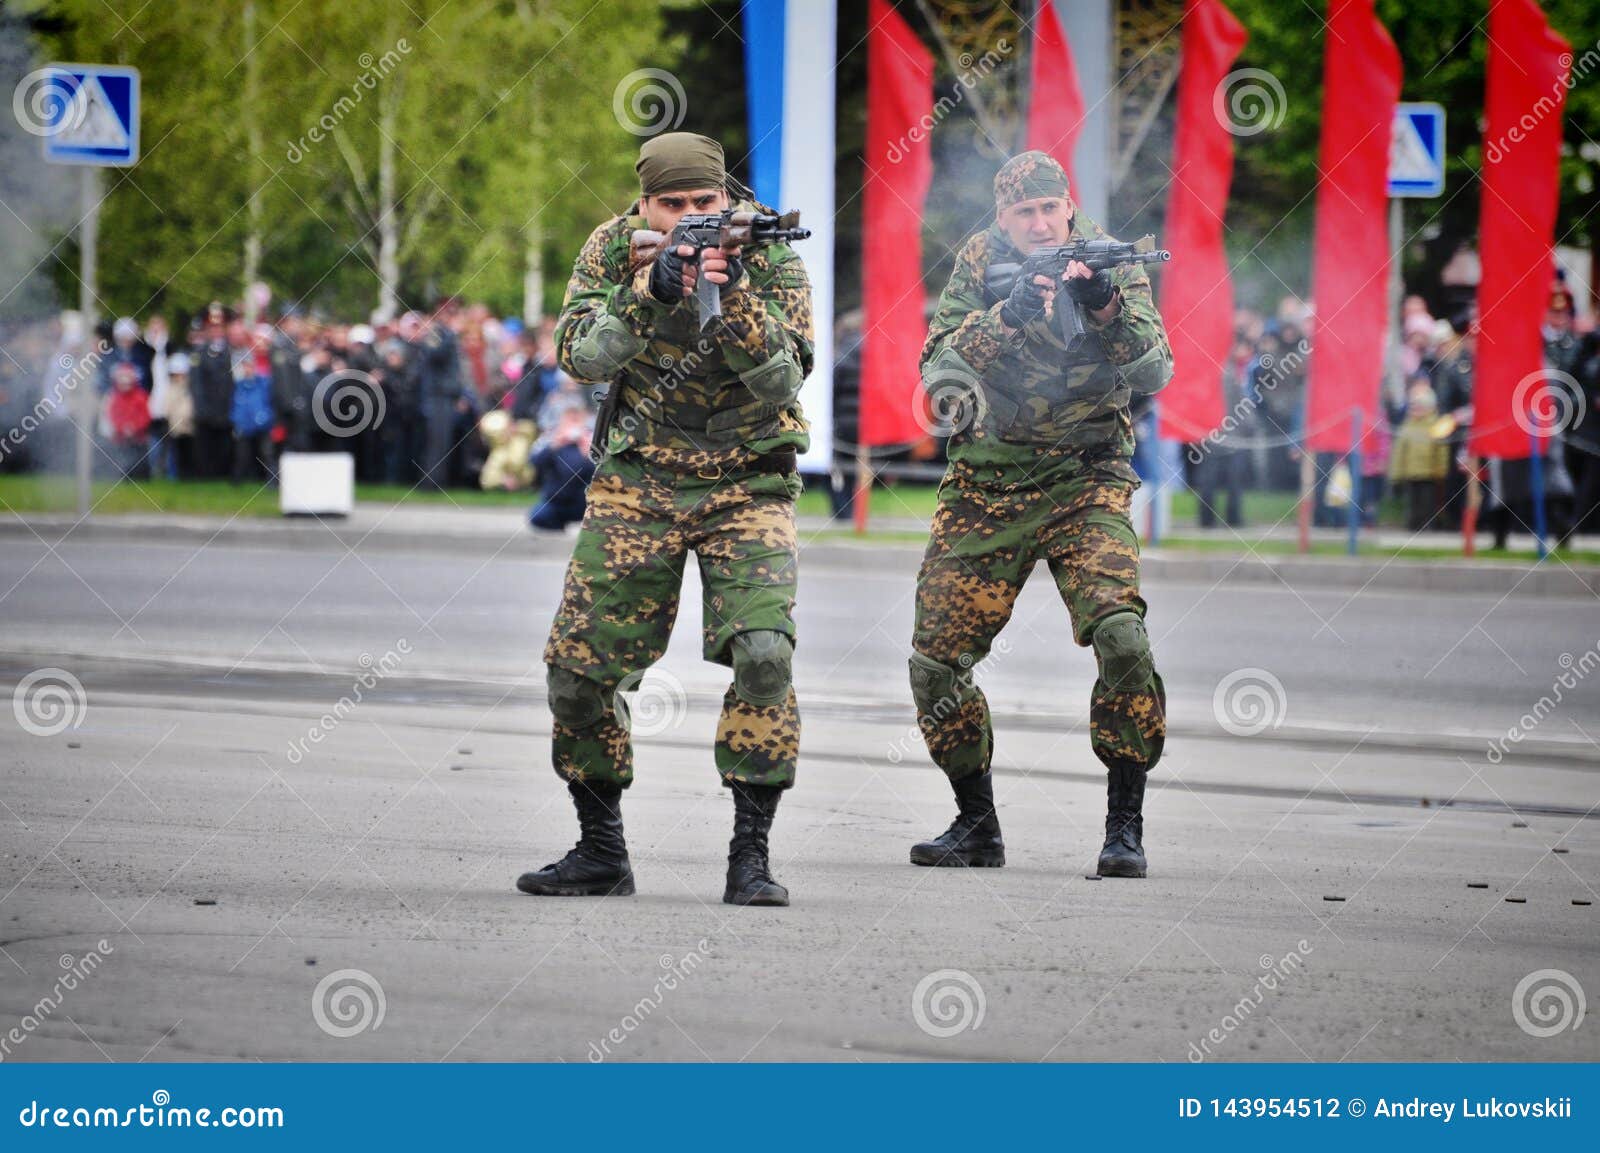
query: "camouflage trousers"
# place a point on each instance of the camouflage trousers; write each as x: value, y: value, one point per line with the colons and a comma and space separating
x: 620, y: 600
x: 992, y: 525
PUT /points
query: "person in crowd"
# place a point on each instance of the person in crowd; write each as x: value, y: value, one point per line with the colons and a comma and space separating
x: 444, y: 400
x: 1583, y: 439
x: 126, y: 422
x: 125, y: 350
x: 1452, y: 386
x: 367, y: 445
x: 211, y: 382
x: 1419, y: 459
x: 561, y: 462
x: 1377, y: 448
x: 160, y: 464
x: 400, y: 376
x: 1224, y: 463
x: 540, y: 377
x: 180, y: 417
x: 253, y: 415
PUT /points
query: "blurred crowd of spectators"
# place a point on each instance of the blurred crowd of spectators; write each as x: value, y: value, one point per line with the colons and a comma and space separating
x: 452, y: 398
x: 1418, y: 451
x: 458, y: 397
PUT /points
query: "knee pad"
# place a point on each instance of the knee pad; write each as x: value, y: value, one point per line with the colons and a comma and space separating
x: 778, y: 380
x: 761, y: 667
x: 1122, y: 649
x: 937, y: 688
x: 575, y: 700
x: 601, y: 352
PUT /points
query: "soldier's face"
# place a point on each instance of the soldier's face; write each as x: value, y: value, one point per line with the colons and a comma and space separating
x: 1040, y: 223
x: 663, y: 210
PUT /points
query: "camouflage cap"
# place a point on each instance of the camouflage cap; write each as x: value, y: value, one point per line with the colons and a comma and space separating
x: 1029, y: 177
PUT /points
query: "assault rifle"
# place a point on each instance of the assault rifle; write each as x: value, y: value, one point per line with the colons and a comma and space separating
x: 730, y: 229
x: 1052, y: 262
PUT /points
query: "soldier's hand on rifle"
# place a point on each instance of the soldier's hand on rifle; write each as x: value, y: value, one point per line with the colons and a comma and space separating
x: 672, y: 274
x: 1029, y: 297
x: 1093, y: 290
x: 723, y: 267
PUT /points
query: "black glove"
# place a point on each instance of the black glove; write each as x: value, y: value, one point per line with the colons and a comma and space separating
x: 666, y: 276
x: 735, y: 272
x: 1025, y: 303
x: 1093, y: 292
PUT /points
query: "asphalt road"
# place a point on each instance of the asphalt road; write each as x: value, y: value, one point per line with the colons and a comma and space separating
x: 1324, y: 745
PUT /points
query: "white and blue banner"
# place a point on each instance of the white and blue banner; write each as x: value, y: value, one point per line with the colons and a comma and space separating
x: 789, y: 70
x: 1301, y: 1107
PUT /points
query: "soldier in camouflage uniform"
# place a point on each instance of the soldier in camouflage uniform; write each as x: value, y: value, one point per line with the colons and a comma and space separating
x: 699, y: 456
x: 1039, y: 470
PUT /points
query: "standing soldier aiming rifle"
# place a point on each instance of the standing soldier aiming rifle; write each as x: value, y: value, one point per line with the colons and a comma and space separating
x: 1039, y: 470
x: 698, y: 438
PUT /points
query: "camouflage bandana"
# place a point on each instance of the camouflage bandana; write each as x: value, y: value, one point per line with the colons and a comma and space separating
x: 1031, y: 176
x: 678, y: 161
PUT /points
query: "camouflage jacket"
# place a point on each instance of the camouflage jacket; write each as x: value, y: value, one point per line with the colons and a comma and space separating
x: 683, y: 403
x: 1034, y: 400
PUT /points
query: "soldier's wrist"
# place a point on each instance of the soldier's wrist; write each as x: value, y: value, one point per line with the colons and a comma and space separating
x: 1010, y: 333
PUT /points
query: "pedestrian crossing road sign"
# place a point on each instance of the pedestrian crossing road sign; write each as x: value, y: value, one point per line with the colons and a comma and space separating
x: 1416, y: 150
x: 86, y: 113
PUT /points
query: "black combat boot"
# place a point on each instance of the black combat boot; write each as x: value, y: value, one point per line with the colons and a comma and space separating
x: 598, y: 864
x: 1123, y: 855
x: 749, y: 874
x: 973, y: 838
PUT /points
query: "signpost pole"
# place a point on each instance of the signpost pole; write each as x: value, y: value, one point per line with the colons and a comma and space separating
x: 95, y: 124
x: 87, y: 382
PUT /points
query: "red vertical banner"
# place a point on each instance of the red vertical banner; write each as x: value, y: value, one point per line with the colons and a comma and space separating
x: 1350, y: 257
x: 1527, y: 88
x: 899, y: 166
x: 1197, y: 289
x: 1055, y: 102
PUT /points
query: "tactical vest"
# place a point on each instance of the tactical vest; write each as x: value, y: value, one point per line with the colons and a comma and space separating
x: 679, y: 392
x: 1040, y: 394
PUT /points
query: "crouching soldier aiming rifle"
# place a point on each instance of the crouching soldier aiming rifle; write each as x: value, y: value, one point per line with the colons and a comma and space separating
x: 1039, y: 471
x: 698, y: 439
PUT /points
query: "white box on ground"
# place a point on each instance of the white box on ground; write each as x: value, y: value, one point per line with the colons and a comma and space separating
x: 316, y: 483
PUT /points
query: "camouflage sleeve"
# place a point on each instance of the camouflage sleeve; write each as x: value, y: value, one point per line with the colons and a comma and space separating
x: 963, y: 322
x: 771, y: 315
x: 602, y: 293
x: 1137, y: 329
